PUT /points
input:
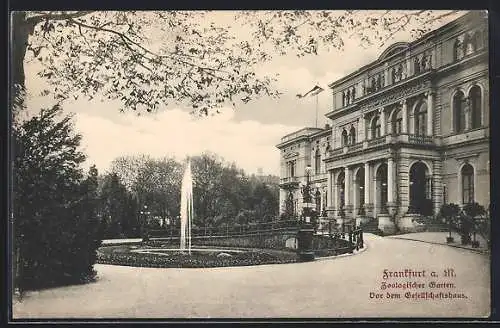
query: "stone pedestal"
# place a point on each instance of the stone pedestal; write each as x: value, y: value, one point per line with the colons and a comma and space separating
x: 407, y: 223
x: 362, y: 220
x: 386, y: 224
x: 349, y: 209
x: 304, y: 243
x: 368, y: 209
x: 330, y: 212
x: 391, y: 208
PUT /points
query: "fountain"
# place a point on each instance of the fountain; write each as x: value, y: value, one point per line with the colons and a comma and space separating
x: 186, y: 211
x: 162, y: 255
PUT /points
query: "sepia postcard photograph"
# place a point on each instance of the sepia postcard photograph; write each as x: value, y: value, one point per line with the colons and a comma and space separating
x: 249, y: 164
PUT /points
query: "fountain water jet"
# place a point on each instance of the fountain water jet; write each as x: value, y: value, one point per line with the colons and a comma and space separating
x: 186, y: 211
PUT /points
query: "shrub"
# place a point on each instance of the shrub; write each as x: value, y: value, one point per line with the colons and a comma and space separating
x: 56, y: 229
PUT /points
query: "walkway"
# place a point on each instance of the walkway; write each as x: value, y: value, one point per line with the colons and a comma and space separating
x: 440, y: 238
x: 329, y: 288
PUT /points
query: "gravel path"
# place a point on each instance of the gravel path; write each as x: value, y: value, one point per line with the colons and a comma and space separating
x: 327, y: 288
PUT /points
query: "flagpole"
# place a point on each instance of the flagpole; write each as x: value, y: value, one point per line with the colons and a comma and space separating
x: 316, y: 110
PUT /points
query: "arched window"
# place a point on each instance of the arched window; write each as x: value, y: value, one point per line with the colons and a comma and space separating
x: 397, y: 122
x: 467, y: 184
x: 457, y: 50
x: 459, y: 111
x: 345, y: 139
x: 375, y: 127
x: 352, y: 135
x: 421, y: 119
x: 475, y: 106
x: 317, y: 162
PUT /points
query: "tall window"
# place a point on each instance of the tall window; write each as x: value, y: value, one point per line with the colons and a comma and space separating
x: 475, y: 106
x: 416, y: 65
x: 352, y: 135
x: 421, y: 119
x: 345, y: 138
x: 457, y: 50
x: 397, y: 122
x: 375, y: 127
x: 459, y: 111
x: 317, y: 162
x: 467, y: 184
x: 292, y: 169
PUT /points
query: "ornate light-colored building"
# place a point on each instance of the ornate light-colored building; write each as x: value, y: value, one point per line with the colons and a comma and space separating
x: 408, y: 132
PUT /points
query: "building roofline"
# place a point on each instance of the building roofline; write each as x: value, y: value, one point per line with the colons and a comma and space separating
x: 381, y: 59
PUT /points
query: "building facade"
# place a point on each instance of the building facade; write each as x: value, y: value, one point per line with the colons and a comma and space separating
x: 408, y: 132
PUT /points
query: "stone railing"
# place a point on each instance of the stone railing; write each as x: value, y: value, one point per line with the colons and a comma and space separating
x: 289, y: 180
x: 416, y: 139
x: 355, y: 147
x: 376, y: 141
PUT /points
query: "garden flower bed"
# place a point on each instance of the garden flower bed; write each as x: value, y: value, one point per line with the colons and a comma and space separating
x: 128, y: 256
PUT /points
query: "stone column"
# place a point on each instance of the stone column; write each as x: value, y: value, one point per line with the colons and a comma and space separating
x: 409, y: 70
x: 468, y: 122
x: 367, y: 183
x: 361, y: 129
x: 404, y: 113
x: 355, y: 198
x: 386, y: 74
x: 329, y: 189
x: 390, y: 180
x: 368, y: 131
x: 368, y: 204
x: 374, y: 194
x: 382, y: 122
x: 346, y: 186
x: 430, y: 113
x: 335, y: 194
x: 391, y: 186
x: 437, y: 185
x: 347, y: 190
x: 411, y: 123
x: 334, y: 137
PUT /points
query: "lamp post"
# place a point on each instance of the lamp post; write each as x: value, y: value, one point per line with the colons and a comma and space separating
x: 144, y: 213
x: 306, y: 231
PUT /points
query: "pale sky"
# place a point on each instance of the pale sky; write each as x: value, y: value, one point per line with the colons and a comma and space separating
x: 246, y: 136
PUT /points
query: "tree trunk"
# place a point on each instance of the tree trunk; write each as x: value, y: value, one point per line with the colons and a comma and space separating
x: 21, y: 29
x: 19, y: 34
